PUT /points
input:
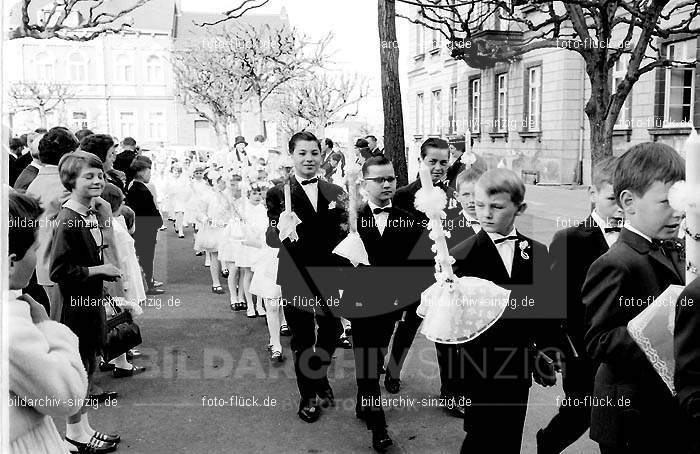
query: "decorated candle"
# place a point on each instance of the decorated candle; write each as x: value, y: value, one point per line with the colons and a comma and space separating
x: 692, y: 178
x: 426, y: 180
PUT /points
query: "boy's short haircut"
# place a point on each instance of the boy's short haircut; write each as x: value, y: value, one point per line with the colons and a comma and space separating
x: 55, y: 144
x: 503, y: 180
x: 329, y: 142
x: 303, y: 136
x: 16, y: 145
x: 83, y: 133
x: 129, y: 142
x: 140, y: 163
x: 603, y: 172
x: 113, y: 195
x: 97, y: 144
x: 24, y: 213
x: 470, y: 175
x: 644, y: 164
x: 433, y: 142
x: 374, y: 161
x: 70, y: 166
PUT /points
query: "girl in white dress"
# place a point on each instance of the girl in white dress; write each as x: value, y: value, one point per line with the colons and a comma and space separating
x: 199, y: 192
x: 230, y: 245
x: 254, y: 232
x: 210, y: 236
x: 177, y: 191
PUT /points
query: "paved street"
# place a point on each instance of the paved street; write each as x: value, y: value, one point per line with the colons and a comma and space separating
x: 200, y: 354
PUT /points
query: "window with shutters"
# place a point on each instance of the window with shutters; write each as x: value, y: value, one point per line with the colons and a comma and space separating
x: 680, y: 82
x: 436, y: 113
x: 533, y: 99
x: 501, y: 103
x: 474, y: 105
x: 420, y: 114
x: 453, y: 111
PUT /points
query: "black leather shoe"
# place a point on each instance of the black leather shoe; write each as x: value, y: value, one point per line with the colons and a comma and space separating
x: 155, y: 291
x: 109, y: 438
x: 309, y: 412
x: 94, y: 446
x: 326, y: 398
x: 105, y: 395
x: 380, y: 439
x: 118, y: 372
x: 106, y: 367
x: 392, y: 385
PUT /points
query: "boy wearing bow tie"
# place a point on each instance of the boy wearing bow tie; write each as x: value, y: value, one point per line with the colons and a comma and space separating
x: 645, y: 418
x: 573, y: 250
x: 306, y: 270
x: 498, y: 365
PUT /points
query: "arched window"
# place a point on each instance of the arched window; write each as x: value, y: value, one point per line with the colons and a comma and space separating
x: 44, y: 67
x: 125, y: 69
x: 78, y: 68
x: 154, y: 69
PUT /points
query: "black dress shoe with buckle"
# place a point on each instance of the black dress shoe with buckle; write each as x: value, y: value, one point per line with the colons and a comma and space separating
x: 380, y: 439
x: 326, y: 398
x: 118, y: 372
x: 309, y: 412
x: 94, y: 446
x: 392, y: 385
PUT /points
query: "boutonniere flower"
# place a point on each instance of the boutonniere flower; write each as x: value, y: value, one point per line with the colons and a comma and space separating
x: 331, y: 205
x: 523, y: 246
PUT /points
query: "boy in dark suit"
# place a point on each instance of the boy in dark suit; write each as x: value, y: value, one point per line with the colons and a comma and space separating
x: 463, y: 221
x: 686, y: 340
x: 378, y: 292
x: 636, y: 412
x: 304, y: 267
x: 77, y: 266
x: 573, y: 250
x: 435, y: 154
x: 148, y: 220
x: 498, y: 365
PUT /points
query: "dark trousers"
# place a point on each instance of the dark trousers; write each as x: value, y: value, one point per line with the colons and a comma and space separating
x: 495, y: 418
x: 311, y: 364
x: 370, y: 339
x: 145, y: 245
x: 451, y: 368
x: 573, y: 419
x: 405, y: 332
x: 37, y: 292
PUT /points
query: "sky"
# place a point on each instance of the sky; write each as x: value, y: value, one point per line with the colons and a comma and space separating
x: 355, y: 46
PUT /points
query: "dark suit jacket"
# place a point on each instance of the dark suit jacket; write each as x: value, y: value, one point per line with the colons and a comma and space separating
x: 308, y: 266
x: 458, y: 167
x: 148, y: 219
x: 405, y: 198
x: 687, y: 354
x: 458, y: 227
x: 401, y: 266
x: 502, y: 352
x: 573, y: 251
x: 73, y: 250
x: 618, y: 286
x: 123, y: 160
x: 25, y: 178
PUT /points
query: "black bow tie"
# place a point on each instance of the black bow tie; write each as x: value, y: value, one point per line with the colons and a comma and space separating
x: 667, y: 246
x: 504, y: 239
x: 310, y: 181
x: 612, y: 229
x: 440, y: 184
x: 381, y: 210
x: 473, y: 222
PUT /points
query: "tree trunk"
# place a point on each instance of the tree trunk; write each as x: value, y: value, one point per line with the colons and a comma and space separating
x: 394, y: 145
x: 261, y: 120
x: 601, y: 140
x: 597, y: 109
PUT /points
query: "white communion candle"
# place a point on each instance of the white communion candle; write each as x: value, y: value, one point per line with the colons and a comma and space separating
x: 692, y: 178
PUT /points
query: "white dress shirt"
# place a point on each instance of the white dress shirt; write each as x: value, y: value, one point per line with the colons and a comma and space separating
x: 505, y: 249
x: 310, y: 189
x: 610, y: 237
x: 380, y: 219
x: 629, y: 227
x: 476, y: 227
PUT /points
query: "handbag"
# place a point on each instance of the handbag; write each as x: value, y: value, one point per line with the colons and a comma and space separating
x: 122, y: 333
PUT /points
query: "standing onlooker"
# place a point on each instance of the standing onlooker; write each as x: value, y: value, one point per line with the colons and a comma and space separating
x: 14, y: 166
x: 148, y: 220
x: 103, y: 146
x: 43, y: 355
x: 78, y: 268
x: 373, y: 146
x: 127, y: 154
x: 32, y: 170
x: 83, y: 133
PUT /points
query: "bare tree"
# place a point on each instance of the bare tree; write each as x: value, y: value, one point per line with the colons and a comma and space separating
x: 394, y: 142
x: 319, y: 101
x: 239, y: 11
x: 601, y: 31
x: 73, y: 20
x: 42, y: 98
x: 208, y: 82
x: 269, y: 57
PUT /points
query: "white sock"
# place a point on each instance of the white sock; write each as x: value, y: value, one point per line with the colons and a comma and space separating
x: 207, y: 259
x: 273, y: 323
x: 121, y: 362
x: 76, y: 432
x: 89, y: 431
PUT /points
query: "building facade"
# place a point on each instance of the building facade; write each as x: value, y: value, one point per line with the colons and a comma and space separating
x: 529, y: 113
